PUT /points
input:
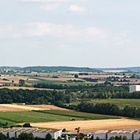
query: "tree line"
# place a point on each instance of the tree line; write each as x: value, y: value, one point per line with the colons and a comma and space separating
x: 109, y: 109
x: 64, y: 86
x: 24, y: 136
x: 60, y: 97
x: 34, y: 96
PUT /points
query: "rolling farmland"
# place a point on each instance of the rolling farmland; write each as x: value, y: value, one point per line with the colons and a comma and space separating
x: 22, y: 107
x: 119, y: 102
x: 91, y: 125
x: 48, y: 116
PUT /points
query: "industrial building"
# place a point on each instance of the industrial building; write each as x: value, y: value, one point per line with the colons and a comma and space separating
x: 134, y: 88
x: 102, y: 134
x: 40, y: 133
x: 108, y: 134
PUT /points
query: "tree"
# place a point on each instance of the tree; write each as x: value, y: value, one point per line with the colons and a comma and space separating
x: 48, y: 137
x: 21, y: 82
x: 97, y: 138
x: 25, y: 136
x: 2, y: 137
x: 59, y: 138
x: 125, y: 138
x: 112, y: 138
x: 64, y: 130
x: 76, y: 76
x: 118, y: 138
x: 27, y: 125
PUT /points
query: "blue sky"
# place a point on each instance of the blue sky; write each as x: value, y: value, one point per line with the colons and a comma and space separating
x: 93, y: 33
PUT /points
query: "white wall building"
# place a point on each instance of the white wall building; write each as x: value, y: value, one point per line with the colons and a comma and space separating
x: 40, y: 133
x: 136, y: 135
x: 101, y: 134
x: 134, y: 88
x: 107, y: 134
x: 122, y: 133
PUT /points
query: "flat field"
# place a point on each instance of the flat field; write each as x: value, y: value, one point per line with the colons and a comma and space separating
x: 49, y: 116
x: 79, y: 115
x: 14, y: 78
x: 91, y: 125
x: 59, y: 119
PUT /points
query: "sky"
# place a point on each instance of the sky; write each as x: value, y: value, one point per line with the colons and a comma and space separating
x: 87, y: 33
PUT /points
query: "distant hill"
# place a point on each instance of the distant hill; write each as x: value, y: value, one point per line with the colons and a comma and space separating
x: 58, y: 68
x: 49, y: 69
x: 129, y: 69
x: 66, y: 68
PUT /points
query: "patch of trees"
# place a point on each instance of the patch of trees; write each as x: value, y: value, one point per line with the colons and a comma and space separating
x: 60, y: 97
x: 21, y: 82
x: 24, y: 136
x: 63, y: 86
x: 34, y: 96
x: 116, y: 79
x: 109, y: 109
x: 58, y: 68
x: 90, y: 79
x: 105, y: 87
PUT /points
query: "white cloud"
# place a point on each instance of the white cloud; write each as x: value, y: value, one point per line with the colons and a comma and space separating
x: 8, y: 31
x: 60, y: 31
x: 45, y: 1
x: 51, y: 5
x: 66, y: 33
x: 48, y: 5
x: 75, y: 34
x: 76, y: 8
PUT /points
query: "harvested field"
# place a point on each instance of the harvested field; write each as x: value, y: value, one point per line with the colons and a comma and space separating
x: 91, y: 125
x: 24, y: 88
x: 18, y: 107
x: 17, y: 117
x: 10, y: 78
x: 61, y: 79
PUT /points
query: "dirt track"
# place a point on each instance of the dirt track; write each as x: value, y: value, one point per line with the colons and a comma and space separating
x: 91, y: 125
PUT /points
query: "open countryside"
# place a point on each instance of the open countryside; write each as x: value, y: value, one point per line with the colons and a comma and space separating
x: 92, y: 125
x: 14, y: 118
x: 69, y: 70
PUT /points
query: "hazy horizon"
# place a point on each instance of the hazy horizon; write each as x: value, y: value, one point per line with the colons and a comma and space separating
x: 83, y: 33
x: 71, y: 66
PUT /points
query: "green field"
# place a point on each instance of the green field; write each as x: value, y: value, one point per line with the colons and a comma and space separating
x: 120, y: 102
x: 46, y: 116
x: 78, y: 115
